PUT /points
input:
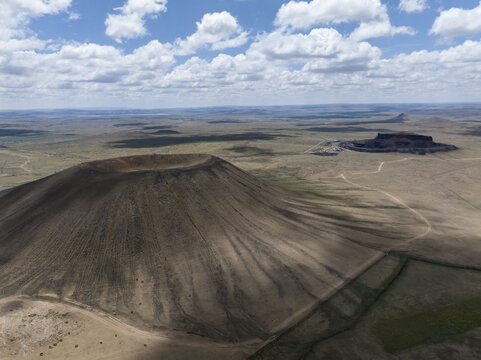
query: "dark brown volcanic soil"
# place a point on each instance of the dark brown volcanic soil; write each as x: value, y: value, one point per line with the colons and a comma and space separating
x: 400, y: 142
x: 184, y: 242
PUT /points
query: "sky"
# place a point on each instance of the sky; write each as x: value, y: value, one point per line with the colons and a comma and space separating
x: 179, y: 53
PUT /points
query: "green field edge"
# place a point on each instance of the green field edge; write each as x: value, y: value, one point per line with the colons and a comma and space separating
x: 304, y: 349
x: 262, y: 353
x: 432, y: 261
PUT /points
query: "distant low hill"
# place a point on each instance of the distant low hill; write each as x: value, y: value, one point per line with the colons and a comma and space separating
x: 399, y: 119
x: 434, y: 121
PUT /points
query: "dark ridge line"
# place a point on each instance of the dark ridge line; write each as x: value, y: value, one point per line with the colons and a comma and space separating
x: 432, y: 261
x: 403, y: 262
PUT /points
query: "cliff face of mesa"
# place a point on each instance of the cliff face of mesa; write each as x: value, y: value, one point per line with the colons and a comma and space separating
x: 398, y: 142
x: 181, y: 242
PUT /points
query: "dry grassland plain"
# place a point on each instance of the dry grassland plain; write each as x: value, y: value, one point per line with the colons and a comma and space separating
x: 416, y: 292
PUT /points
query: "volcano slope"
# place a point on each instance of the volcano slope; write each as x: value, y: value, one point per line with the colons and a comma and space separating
x: 175, y: 242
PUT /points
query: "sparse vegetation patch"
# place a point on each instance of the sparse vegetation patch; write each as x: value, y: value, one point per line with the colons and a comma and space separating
x: 434, y: 326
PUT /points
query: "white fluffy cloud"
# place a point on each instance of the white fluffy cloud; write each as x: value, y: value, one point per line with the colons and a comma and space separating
x: 458, y: 22
x: 15, y: 14
x: 323, y: 62
x: 298, y: 58
x: 16, y: 39
x: 303, y: 14
x: 467, y: 52
x: 16, y: 10
x: 453, y: 73
x: 86, y: 67
x: 129, y: 23
x: 322, y: 43
x: 223, y: 70
x: 220, y: 30
x: 379, y: 28
x: 371, y: 14
x: 411, y: 6
x: 360, y: 74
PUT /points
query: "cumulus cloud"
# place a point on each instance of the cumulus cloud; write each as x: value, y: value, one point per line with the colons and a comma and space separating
x: 324, y: 43
x: 83, y: 67
x: 361, y: 73
x: 88, y: 51
x: 371, y: 14
x: 154, y: 56
x: 18, y: 45
x: 457, y: 22
x: 107, y: 64
x: 379, y: 28
x: 467, y: 52
x: 15, y: 14
x: 324, y: 61
x: 303, y: 14
x: 444, y: 74
x: 129, y: 23
x: 11, y: 45
x: 298, y: 58
x: 224, y: 74
x: 411, y: 6
x: 267, y: 62
x: 363, y: 59
x: 17, y: 10
x: 220, y: 30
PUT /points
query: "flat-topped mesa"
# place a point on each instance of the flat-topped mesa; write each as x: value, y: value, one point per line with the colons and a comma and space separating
x: 398, y: 142
x: 402, y: 137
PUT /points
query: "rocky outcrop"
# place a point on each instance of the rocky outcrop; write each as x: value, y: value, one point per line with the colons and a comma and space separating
x: 398, y: 142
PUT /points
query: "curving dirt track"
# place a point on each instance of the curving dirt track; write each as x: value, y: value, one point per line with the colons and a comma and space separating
x: 397, y: 200
x: 400, y: 201
x: 23, y: 166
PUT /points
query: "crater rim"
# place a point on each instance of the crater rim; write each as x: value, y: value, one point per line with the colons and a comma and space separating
x: 148, y: 163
